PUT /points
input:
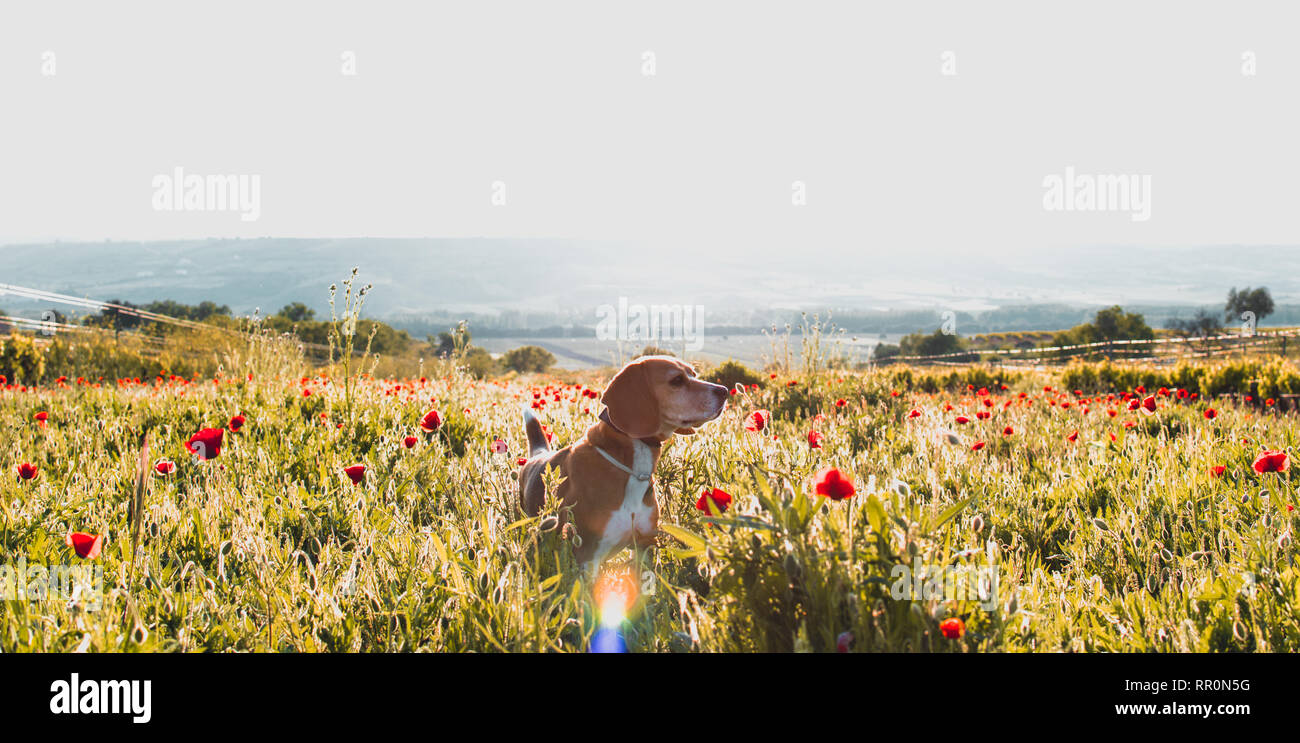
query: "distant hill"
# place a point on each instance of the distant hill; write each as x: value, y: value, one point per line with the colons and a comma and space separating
x: 421, y: 284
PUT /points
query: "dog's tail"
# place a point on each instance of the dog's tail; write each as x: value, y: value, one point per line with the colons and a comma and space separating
x: 537, y: 443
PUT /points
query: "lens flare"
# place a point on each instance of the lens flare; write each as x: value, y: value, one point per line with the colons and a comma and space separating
x: 615, y: 594
x: 613, y: 610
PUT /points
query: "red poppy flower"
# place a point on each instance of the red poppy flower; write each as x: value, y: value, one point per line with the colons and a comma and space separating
x: 721, y: 500
x: 41, y: 417
x: 843, y: 642
x: 1149, y: 405
x: 85, y: 545
x: 1272, y: 461
x: 206, y: 443
x: 834, y: 484
x: 1210, y: 413
x: 499, y: 446
x: 841, y: 403
x: 815, y: 439
x: 757, y: 420
x: 1218, y: 470
x: 236, y: 423
x: 431, y: 421
x: 1008, y: 431
x: 306, y: 392
x: 409, y: 442
x: 521, y: 461
x: 356, y: 473
x: 28, y: 471
x: 164, y: 467
x: 914, y: 414
x: 1073, y: 437
x: 962, y: 420
x: 977, y: 446
x: 952, y: 628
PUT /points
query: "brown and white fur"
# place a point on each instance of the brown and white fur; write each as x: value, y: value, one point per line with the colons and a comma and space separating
x: 647, y: 402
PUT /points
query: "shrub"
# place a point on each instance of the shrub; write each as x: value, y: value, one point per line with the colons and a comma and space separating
x: 528, y: 359
x: 20, y: 360
x: 479, y: 363
x: 731, y: 373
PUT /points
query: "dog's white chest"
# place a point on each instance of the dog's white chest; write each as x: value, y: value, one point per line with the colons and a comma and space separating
x: 634, y: 515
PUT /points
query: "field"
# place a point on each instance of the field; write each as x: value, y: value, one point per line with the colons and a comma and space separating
x: 1095, y: 510
x: 588, y: 352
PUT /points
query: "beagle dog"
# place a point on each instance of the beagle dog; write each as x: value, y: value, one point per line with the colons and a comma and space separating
x: 606, y: 487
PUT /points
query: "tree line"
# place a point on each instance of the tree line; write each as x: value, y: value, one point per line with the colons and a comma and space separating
x: 1248, y: 305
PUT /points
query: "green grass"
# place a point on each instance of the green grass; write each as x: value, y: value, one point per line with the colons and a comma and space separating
x: 1099, y: 545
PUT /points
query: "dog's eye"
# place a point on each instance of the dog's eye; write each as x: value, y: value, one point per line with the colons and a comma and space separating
x: 678, y: 380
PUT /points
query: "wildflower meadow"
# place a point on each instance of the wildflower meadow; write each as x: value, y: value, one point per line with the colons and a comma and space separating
x: 281, y: 506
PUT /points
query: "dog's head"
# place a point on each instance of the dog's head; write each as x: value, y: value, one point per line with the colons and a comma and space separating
x: 658, y: 395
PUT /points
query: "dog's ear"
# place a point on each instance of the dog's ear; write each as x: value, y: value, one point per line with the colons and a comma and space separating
x: 633, y: 408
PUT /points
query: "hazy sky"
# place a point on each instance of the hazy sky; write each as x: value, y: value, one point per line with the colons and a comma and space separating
x: 552, y: 100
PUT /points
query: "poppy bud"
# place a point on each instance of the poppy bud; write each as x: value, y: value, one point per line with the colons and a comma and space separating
x: 792, y: 568
x: 679, y: 642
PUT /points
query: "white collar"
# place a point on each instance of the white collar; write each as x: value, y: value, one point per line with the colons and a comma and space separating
x: 638, y: 457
